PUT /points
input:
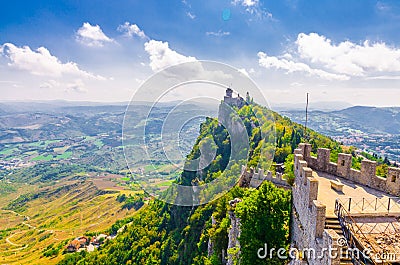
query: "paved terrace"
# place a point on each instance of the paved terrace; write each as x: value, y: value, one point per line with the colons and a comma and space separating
x: 375, y: 213
x: 357, y: 192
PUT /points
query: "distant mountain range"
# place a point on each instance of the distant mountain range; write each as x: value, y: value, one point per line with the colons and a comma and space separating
x: 49, y: 106
x: 319, y: 105
x: 326, y: 117
x: 386, y: 120
x: 368, y: 128
x: 366, y: 119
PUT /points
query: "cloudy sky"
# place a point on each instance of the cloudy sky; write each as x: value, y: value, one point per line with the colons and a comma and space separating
x: 338, y: 50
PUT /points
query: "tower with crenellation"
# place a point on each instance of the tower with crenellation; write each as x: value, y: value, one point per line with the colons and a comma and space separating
x: 233, y: 101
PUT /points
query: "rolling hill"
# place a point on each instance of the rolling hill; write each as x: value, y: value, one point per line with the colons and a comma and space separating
x: 371, y: 129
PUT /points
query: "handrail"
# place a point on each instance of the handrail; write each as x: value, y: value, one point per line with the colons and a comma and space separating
x: 371, y: 205
x: 342, y: 213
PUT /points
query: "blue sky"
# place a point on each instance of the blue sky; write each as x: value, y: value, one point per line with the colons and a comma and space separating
x: 103, y: 50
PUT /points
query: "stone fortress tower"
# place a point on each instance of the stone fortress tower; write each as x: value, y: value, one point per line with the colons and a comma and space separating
x: 231, y: 101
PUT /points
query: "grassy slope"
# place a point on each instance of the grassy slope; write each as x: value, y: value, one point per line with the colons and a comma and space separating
x: 60, y: 213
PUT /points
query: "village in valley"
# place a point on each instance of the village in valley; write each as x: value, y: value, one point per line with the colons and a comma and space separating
x: 87, y: 243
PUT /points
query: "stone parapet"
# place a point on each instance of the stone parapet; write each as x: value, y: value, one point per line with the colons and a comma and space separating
x: 308, y: 213
x: 366, y: 176
x: 253, y: 179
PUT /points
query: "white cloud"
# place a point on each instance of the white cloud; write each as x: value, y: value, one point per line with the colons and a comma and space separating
x: 292, y: 66
x: 296, y: 84
x: 382, y: 6
x: 190, y: 15
x: 50, y: 84
x: 384, y: 77
x: 253, y: 7
x: 41, y: 62
x: 186, y: 3
x: 162, y: 56
x: 347, y: 57
x: 92, y: 36
x: 244, y: 71
x: 220, y: 33
x: 131, y: 30
x: 246, y: 3
x: 76, y: 86
x: 319, y: 56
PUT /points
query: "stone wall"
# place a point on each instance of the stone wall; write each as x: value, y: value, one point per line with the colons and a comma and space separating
x: 392, y: 182
x: 249, y: 178
x: 238, y: 101
x: 366, y: 176
x: 309, y: 214
x: 233, y: 233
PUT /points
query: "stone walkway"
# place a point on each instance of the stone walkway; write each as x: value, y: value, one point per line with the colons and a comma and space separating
x: 328, y: 196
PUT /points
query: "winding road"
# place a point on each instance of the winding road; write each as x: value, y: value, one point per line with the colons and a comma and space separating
x: 21, y: 246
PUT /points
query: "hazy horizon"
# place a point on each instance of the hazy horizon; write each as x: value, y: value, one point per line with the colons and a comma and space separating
x: 317, y: 105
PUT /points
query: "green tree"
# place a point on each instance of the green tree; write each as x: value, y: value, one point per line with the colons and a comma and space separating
x: 264, y: 215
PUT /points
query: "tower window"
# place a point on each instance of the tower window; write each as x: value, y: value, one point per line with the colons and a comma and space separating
x: 343, y: 163
x: 393, y: 178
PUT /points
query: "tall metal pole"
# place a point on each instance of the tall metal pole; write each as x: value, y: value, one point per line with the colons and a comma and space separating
x: 305, y: 127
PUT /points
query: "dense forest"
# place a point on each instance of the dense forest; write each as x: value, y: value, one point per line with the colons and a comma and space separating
x: 161, y: 233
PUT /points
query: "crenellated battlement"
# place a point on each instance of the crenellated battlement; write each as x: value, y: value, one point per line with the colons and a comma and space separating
x: 366, y: 176
x: 250, y: 178
x: 309, y: 213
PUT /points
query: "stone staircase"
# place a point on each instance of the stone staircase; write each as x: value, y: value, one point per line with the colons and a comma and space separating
x: 332, y: 222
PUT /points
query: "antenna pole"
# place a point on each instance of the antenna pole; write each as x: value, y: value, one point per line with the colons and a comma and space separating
x: 305, y: 127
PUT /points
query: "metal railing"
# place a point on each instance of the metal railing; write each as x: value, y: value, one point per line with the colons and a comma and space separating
x: 371, y: 205
x: 352, y: 232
